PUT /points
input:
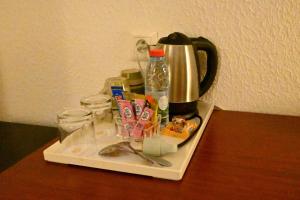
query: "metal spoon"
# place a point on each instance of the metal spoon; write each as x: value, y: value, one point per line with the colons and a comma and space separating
x: 118, y: 148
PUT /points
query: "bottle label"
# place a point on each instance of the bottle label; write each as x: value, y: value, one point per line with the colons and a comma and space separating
x: 163, y: 102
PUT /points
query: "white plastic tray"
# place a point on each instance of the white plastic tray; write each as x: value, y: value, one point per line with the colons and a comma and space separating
x: 130, y: 163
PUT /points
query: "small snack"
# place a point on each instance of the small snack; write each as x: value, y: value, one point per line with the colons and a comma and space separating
x: 127, y: 114
x: 126, y: 110
x: 180, y: 128
x: 139, y: 105
x: 117, y: 94
x: 178, y: 124
x: 145, y: 119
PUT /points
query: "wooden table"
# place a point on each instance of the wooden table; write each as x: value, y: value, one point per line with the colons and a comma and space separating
x: 240, y: 156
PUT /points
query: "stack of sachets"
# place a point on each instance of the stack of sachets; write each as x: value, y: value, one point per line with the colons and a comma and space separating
x: 138, y: 113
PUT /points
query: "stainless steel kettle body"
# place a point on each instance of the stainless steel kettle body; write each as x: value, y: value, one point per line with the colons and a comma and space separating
x: 184, y: 82
x: 184, y: 68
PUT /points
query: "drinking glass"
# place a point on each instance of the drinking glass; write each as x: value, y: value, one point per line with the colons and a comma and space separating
x: 76, y: 129
x: 100, y: 105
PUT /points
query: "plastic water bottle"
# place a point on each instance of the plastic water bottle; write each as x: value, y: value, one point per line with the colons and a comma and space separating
x: 157, y: 82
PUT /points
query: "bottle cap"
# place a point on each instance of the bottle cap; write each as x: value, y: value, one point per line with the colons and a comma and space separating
x: 157, y: 53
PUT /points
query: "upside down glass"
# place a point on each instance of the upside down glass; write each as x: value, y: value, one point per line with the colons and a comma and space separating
x: 76, y: 129
x: 100, y: 105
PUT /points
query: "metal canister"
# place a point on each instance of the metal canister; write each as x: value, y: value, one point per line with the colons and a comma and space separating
x: 134, y: 79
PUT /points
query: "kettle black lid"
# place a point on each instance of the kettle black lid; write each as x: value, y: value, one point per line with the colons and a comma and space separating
x: 175, y: 38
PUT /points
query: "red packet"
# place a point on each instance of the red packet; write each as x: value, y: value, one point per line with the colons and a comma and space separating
x: 127, y: 114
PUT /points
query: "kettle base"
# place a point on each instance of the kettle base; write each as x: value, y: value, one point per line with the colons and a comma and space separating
x: 183, y: 108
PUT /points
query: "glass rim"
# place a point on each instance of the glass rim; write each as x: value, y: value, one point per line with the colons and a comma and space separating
x: 96, y: 99
x: 70, y: 113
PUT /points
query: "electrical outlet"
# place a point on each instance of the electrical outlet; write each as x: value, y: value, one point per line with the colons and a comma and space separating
x: 150, y: 39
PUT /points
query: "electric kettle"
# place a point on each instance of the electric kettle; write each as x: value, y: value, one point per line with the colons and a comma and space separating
x: 181, y: 53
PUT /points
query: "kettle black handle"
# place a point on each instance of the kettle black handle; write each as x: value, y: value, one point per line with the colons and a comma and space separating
x: 204, y: 44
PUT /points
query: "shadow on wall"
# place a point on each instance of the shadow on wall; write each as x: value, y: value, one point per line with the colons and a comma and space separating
x: 33, y: 60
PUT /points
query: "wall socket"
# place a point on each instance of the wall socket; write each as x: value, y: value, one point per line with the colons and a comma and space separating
x: 150, y: 38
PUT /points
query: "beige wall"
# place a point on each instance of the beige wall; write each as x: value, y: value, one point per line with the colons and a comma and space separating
x: 54, y: 52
